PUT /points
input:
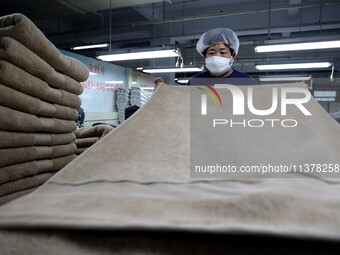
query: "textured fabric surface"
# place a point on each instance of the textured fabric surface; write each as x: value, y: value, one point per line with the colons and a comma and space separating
x: 5, y: 199
x: 24, y: 183
x: 20, y: 80
x: 23, y: 30
x: 14, y: 120
x: 22, y: 154
x: 144, y: 184
x: 96, y: 131
x: 19, y: 101
x: 52, y: 242
x: 17, y: 54
x: 21, y: 139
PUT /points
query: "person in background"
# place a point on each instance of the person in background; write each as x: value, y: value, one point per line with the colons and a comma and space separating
x: 219, y: 47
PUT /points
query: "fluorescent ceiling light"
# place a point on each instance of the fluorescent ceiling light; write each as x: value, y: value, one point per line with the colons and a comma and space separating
x: 182, y: 81
x: 173, y: 70
x: 298, y: 46
x: 139, y: 55
x: 285, y: 78
x: 294, y: 66
x: 139, y: 68
x: 134, y: 82
x: 90, y: 46
x: 114, y: 82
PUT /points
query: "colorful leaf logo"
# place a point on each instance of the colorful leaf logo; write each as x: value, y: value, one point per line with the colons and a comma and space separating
x: 209, y: 93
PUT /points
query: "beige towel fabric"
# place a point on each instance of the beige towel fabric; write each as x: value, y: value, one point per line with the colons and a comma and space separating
x: 20, y: 80
x: 20, y: 139
x: 24, y: 183
x: 17, y: 54
x: 39, y: 97
x: 144, y: 184
x: 86, y: 137
x: 19, y: 27
x: 25, y: 103
x: 21, y: 170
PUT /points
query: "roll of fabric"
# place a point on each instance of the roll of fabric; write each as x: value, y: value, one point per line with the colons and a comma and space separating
x: 18, y: 79
x: 20, y: 139
x: 14, y: 52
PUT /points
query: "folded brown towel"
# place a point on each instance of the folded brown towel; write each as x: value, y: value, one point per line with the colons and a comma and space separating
x: 25, y: 103
x: 96, y: 131
x: 18, y: 121
x: 11, y: 139
x: 24, y: 184
x: 81, y: 150
x: 17, y: 54
x: 18, y: 79
x: 59, y: 163
x: 22, y: 29
x: 13, y: 156
x: 10, y: 197
x: 86, y: 142
x: 22, y: 170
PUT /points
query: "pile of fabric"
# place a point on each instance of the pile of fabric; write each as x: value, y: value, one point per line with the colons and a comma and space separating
x: 123, y: 101
x: 138, y: 96
x: 39, y: 90
x: 86, y: 137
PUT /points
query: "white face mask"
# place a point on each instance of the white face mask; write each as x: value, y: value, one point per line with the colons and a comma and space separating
x: 218, y: 65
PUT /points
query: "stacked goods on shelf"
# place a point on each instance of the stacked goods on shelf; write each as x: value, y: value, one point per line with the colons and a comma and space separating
x: 39, y: 97
x: 138, y: 96
x: 122, y: 103
x: 86, y: 137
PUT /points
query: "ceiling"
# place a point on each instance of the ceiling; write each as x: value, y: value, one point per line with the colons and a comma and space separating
x: 139, y: 24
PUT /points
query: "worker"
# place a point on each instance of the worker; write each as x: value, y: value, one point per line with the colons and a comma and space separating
x: 219, y: 47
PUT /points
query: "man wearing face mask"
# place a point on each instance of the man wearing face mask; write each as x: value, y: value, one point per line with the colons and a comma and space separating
x: 219, y: 47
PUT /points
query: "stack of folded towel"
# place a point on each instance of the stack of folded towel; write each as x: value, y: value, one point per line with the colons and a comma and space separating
x: 88, y: 136
x: 122, y: 103
x: 39, y: 95
x: 138, y: 96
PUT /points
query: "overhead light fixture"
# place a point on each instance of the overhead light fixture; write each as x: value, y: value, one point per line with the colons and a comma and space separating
x: 139, y: 68
x: 182, y: 81
x: 140, y: 55
x: 103, y: 45
x: 294, y: 66
x: 173, y: 70
x: 285, y: 78
x: 297, y: 46
x: 114, y: 82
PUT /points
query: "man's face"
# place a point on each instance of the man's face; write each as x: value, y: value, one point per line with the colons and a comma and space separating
x: 219, y: 49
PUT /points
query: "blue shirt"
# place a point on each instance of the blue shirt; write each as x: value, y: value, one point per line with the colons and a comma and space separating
x: 235, y: 78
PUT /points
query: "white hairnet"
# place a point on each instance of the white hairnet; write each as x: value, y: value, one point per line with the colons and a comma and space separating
x: 218, y: 35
